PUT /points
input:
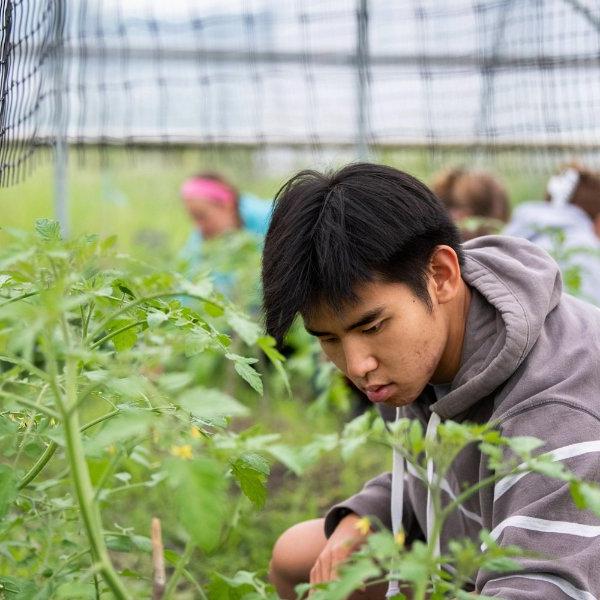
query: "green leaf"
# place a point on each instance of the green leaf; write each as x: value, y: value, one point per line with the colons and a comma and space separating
x: 495, y: 453
x: 238, y: 587
x: 75, y: 590
x: 128, y: 543
x: 268, y: 346
x: 199, y: 289
x: 156, y: 317
x: 213, y: 310
x: 251, y: 471
x: 415, y: 436
x: 524, y: 445
x: 175, y: 382
x: 547, y: 467
x: 126, y: 339
x: 12, y: 588
x: 414, y: 565
x: 351, y: 578
x: 206, y: 403
x: 501, y: 564
x: 124, y: 426
x: 290, y: 457
x: 586, y: 495
x: 200, y: 495
x: 8, y: 489
x: 48, y: 230
x: 243, y: 326
x: 244, y: 369
x: 197, y: 342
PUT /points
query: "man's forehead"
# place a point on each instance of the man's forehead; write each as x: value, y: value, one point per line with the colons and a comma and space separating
x: 369, y: 302
x: 369, y: 298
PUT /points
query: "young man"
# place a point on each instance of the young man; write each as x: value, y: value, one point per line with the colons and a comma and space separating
x: 372, y: 262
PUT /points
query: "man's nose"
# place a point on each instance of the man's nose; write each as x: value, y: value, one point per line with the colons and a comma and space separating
x: 359, y: 361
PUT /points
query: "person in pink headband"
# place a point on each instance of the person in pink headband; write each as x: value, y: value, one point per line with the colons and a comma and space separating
x: 212, y: 203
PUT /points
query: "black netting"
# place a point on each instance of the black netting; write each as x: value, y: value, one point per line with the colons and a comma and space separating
x: 31, y: 104
x: 477, y: 75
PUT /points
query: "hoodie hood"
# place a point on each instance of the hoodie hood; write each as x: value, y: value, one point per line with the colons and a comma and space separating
x: 515, y: 285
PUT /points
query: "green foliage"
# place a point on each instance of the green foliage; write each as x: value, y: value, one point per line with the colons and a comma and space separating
x: 8, y: 488
x: 200, y: 494
x: 101, y: 397
x: 251, y: 471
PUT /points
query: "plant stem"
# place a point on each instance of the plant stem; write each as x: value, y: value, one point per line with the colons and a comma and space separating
x: 193, y: 581
x: 86, y: 321
x: 83, y: 485
x: 30, y: 404
x: 179, y: 568
x: 25, y: 364
x: 112, y: 334
x: 420, y: 590
x: 17, y: 298
x: 100, y: 419
x: 42, y: 461
x: 475, y: 488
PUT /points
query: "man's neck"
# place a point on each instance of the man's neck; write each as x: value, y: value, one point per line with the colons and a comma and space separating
x: 457, y: 324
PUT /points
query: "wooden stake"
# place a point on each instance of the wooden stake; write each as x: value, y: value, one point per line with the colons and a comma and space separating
x: 158, y: 560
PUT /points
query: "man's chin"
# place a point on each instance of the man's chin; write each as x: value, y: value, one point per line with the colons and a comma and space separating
x: 397, y: 400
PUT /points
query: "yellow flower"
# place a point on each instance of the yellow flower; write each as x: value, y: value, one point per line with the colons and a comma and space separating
x: 363, y: 525
x: 400, y: 538
x: 184, y: 451
x: 111, y: 449
x: 195, y: 432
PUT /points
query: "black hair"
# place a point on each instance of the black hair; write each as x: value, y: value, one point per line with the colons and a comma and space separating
x: 330, y: 232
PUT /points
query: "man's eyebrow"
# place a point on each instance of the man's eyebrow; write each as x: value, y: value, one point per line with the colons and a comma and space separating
x: 362, y: 320
x: 366, y: 318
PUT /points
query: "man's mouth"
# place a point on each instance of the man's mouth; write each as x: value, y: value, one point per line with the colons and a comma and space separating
x: 379, y: 393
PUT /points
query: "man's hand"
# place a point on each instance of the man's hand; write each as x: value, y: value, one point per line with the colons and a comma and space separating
x: 348, y: 536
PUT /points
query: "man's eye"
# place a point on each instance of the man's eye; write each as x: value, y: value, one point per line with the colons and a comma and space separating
x: 374, y: 329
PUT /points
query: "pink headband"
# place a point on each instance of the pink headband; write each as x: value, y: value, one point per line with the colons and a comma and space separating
x: 208, y: 189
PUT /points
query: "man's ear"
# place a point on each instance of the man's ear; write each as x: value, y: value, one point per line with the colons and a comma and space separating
x: 444, y: 270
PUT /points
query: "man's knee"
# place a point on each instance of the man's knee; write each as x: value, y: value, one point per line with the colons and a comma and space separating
x: 296, y: 551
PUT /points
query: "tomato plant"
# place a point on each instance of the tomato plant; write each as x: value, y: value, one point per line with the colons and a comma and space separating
x: 103, y: 397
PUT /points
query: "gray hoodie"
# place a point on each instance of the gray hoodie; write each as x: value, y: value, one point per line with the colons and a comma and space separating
x: 530, y: 362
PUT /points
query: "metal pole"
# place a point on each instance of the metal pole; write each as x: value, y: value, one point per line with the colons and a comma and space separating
x: 61, y: 150
x: 362, y: 79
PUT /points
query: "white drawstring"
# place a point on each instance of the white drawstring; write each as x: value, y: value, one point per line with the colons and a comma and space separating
x: 396, y: 503
x: 397, y: 496
x: 432, y: 426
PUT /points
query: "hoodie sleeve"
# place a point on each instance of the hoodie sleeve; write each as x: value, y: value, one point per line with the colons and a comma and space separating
x: 374, y: 500
x: 537, y: 513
